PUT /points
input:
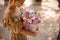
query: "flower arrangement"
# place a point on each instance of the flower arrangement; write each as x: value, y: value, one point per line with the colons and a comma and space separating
x: 31, y: 20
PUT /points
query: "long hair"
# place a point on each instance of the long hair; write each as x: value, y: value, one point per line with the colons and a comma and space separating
x: 13, y: 4
x: 10, y: 10
x: 13, y: 25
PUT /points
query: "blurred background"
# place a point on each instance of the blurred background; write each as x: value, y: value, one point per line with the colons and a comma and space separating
x: 4, y: 32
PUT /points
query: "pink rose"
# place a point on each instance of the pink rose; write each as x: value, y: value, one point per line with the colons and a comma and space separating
x: 26, y: 25
x: 30, y: 16
x: 38, y: 15
x: 35, y: 21
x: 27, y: 14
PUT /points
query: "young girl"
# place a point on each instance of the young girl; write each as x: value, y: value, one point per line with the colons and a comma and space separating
x: 12, y: 20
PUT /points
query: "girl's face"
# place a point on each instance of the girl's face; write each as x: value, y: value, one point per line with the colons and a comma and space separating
x: 19, y: 3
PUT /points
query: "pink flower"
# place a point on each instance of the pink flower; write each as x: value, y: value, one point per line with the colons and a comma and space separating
x: 28, y: 15
x: 26, y: 25
x: 35, y: 21
x: 38, y: 15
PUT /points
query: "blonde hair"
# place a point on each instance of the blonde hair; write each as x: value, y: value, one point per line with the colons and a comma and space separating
x: 12, y: 6
x: 13, y: 3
